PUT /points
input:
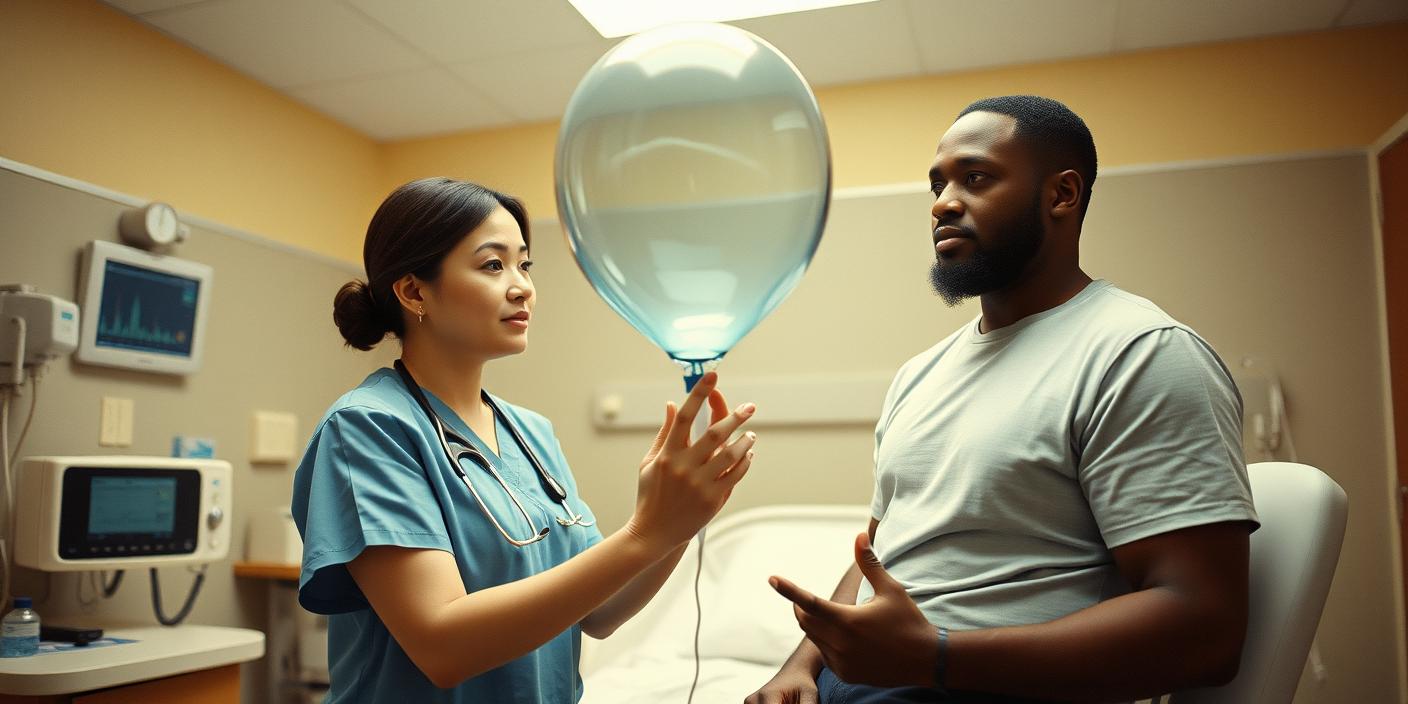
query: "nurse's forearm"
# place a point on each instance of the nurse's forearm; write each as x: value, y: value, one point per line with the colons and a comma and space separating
x: 453, y: 636
x: 628, y: 602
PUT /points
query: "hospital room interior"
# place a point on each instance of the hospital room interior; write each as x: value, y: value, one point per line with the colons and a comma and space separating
x: 224, y: 158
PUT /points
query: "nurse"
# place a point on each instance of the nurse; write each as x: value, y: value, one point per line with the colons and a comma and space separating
x: 471, y: 580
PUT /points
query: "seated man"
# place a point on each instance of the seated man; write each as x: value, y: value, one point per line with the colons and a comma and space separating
x: 1061, y: 506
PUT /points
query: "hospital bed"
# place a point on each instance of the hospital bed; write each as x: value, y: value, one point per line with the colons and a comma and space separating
x: 748, y: 629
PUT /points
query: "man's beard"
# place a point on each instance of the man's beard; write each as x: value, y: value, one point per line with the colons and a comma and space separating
x: 993, y: 267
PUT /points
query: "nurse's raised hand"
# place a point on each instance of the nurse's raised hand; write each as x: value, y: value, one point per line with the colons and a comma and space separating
x: 683, y: 484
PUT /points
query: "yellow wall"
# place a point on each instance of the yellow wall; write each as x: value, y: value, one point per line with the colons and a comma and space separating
x: 1326, y: 90
x: 89, y: 93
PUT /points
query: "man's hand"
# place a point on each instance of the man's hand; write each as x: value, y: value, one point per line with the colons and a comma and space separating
x: 885, y: 642
x: 791, y: 685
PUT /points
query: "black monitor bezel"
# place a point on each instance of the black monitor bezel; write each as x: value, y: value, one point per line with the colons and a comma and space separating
x: 75, y: 542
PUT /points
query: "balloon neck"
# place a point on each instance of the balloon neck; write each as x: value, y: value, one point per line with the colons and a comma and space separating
x: 695, y: 369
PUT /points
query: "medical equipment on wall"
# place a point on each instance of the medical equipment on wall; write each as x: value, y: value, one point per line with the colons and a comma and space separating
x: 37, y: 327
x: 92, y: 513
x: 693, y: 174
x: 457, y: 448
x: 146, y: 311
x: 34, y: 329
x: 121, y: 512
x: 152, y: 226
x: 1266, y: 428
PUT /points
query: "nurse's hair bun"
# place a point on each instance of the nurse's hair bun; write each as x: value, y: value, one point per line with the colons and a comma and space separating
x: 410, y: 234
x: 356, y: 315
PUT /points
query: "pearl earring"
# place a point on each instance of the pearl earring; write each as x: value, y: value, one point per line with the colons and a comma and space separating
x: 420, y: 316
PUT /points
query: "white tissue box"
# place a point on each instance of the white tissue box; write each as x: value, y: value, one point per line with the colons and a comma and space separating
x: 273, y: 537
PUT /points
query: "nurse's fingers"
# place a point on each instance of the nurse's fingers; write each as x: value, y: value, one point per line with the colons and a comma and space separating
x: 730, y: 455
x: 659, y: 441
x: 718, y: 407
x: 707, y: 444
x: 678, y: 436
x: 733, y: 475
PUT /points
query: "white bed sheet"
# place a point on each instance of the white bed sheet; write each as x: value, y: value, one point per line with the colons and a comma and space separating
x: 653, y: 679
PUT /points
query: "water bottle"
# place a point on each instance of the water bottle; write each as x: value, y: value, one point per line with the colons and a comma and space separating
x: 20, y: 636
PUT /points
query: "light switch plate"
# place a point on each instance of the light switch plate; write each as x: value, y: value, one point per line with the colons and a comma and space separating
x: 115, y: 422
x: 275, y: 437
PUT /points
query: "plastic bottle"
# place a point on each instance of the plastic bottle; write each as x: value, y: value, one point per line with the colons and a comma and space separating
x: 20, y: 635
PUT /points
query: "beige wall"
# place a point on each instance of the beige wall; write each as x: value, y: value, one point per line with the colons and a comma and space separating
x: 89, y: 93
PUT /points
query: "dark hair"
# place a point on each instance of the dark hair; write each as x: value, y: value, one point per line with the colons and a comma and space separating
x: 1058, y: 136
x: 412, y: 231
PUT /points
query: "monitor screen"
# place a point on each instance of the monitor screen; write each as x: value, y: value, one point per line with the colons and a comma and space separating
x: 131, y: 505
x: 147, y: 310
x: 113, y: 512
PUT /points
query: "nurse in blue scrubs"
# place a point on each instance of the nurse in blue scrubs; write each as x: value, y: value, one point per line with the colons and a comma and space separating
x: 443, y: 532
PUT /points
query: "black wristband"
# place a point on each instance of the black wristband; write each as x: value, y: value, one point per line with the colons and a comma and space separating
x: 941, y: 663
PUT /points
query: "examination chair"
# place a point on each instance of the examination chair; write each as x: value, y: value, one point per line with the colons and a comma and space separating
x: 1294, y: 554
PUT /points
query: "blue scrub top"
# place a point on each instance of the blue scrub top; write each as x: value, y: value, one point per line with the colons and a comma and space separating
x: 374, y: 474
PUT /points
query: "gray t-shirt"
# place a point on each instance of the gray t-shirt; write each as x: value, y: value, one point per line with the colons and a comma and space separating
x: 1008, y: 464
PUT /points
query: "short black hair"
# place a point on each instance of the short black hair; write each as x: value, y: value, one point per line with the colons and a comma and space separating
x: 1056, y: 134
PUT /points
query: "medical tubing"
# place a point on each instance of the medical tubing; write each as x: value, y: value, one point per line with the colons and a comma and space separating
x: 701, y: 425
x: 185, y: 608
x: 110, y: 588
x: 5, y: 395
x: 29, y: 417
x: 698, y: 615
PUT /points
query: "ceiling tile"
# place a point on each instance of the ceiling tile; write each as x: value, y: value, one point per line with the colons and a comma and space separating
x: 533, y: 86
x: 1151, y: 23
x: 137, y: 7
x: 285, y: 44
x: 411, y: 104
x: 1374, y: 12
x: 457, y: 31
x: 843, y: 44
x: 957, y: 35
x: 398, y: 68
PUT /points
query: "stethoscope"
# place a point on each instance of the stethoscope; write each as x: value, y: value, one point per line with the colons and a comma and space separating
x: 456, y: 448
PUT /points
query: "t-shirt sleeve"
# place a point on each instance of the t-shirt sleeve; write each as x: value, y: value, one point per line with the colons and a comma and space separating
x: 365, y: 486
x: 1163, y: 448
x: 878, y: 502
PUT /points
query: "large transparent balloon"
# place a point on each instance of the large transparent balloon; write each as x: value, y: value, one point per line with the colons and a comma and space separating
x: 693, y: 179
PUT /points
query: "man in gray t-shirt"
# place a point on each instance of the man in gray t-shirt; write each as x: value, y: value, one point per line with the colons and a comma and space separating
x: 1061, y: 504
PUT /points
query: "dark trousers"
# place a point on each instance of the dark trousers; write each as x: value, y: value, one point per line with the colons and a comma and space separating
x: 834, y: 691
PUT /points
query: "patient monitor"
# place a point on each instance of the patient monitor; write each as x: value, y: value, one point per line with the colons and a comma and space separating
x: 112, y: 513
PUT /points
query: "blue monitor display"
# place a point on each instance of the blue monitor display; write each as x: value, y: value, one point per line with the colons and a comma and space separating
x: 132, y: 505
x: 147, y: 310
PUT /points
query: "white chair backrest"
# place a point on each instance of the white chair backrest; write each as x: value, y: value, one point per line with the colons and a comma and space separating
x: 1293, y: 557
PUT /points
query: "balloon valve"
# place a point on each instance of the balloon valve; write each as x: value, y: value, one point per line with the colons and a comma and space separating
x: 695, y: 369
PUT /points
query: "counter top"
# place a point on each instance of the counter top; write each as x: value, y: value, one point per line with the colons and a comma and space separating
x: 160, y: 651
